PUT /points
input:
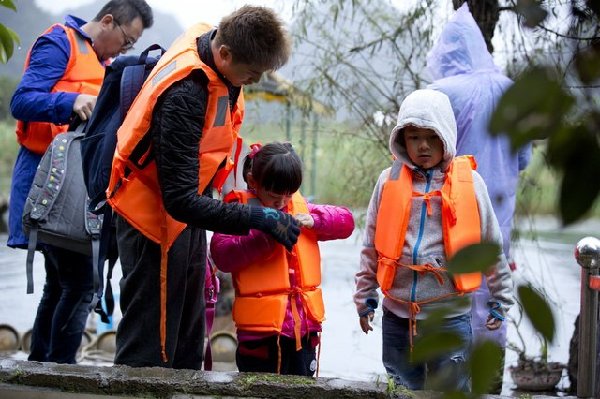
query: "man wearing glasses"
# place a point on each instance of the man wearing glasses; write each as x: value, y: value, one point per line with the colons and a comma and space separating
x: 128, y: 42
x: 63, y: 74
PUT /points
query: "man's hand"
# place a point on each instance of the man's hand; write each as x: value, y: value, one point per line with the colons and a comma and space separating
x: 84, y: 105
x: 493, y: 323
x: 365, y: 322
x: 282, y: 226
x: 305, y: 220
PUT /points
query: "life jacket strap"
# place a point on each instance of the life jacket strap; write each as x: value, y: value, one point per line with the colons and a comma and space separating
x: 427, y: 198
x: 428, y: 268
x: 319, y: 334
x: 414, y: 310
x: 278, y: 354
x: 164, y: 259
x: 294, y: 295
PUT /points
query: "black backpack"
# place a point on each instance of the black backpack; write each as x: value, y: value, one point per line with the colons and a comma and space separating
x: 123, y: 80
x: 58, y: 210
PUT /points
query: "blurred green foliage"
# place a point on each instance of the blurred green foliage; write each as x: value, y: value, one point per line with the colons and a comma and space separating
x: 8, y: 37
x: 561, y: 106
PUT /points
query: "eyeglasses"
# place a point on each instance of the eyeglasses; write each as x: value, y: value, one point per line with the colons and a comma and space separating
x: 128, y: 41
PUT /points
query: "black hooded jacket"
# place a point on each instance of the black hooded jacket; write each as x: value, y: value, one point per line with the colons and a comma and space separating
x: 176, y: 132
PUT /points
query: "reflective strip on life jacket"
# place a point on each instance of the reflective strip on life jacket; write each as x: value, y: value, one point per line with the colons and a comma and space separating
x: 83, y: 75
x: 460, y: 220
x: 263, y: 289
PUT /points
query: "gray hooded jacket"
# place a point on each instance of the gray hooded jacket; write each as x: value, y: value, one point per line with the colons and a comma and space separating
x: 424, y: 242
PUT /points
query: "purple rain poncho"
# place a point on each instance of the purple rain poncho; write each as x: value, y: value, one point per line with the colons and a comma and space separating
x: 464, y: 70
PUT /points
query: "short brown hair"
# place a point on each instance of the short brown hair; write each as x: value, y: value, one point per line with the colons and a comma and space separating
x: 255, y: 36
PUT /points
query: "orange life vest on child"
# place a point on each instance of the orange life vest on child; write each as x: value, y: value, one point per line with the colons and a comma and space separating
x: 263, y: 289
x: 461, y: 224
x: 133, y: 191
x: 83, y: 75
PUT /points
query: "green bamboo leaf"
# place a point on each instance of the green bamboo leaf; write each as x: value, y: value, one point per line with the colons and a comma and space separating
x: 538, y: 311
x: 474, y: 258
x: 6, y: 43
x: 486, y: 363
x: 577, y: 193
x: 8, y: 4
x: 432, y: 345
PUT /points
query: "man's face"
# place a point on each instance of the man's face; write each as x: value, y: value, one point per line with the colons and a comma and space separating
x: 116, y: 38
x: 238, y: 74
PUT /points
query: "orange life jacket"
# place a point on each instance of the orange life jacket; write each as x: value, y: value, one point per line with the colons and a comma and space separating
x: 133, y: 190
x: 263, y: 289
x: 460, y: 221
x: 83, y: 75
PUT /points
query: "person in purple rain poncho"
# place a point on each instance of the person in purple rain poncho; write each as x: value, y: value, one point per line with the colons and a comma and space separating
x: 464, y: 70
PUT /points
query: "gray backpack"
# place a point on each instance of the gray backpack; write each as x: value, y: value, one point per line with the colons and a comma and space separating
x: 56, y: 210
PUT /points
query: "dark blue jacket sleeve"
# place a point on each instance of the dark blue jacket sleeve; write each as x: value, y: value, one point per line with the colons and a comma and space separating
x: 33, y: 99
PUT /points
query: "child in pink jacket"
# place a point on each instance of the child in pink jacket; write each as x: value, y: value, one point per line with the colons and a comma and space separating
x: 278, y: 307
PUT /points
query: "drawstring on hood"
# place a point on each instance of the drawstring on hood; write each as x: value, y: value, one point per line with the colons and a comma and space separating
x: 429, y: 109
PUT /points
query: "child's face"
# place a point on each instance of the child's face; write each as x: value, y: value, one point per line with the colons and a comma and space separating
x: 272, y: 200
x: 423, y: 146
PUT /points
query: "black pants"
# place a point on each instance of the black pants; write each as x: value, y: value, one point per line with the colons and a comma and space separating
x: 64, y: 307
x: 138, y: 333
x: 262, y: 355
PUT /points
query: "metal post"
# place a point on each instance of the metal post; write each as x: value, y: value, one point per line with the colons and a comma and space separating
x: 587, y: 253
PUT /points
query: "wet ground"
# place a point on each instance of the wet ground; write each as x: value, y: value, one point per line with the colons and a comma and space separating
x: 544, y: 255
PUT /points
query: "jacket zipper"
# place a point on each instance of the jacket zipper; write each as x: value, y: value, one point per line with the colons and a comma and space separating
x: 413, y: 293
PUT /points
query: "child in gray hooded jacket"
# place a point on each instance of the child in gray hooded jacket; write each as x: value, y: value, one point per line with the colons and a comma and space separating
x: 424, y: 208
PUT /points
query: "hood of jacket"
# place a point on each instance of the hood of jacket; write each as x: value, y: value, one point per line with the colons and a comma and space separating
x: 460, y: 49
x: 429, y: 109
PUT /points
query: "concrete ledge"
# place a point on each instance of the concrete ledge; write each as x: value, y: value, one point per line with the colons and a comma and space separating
x: 27, y: 380
x: 169, y: 383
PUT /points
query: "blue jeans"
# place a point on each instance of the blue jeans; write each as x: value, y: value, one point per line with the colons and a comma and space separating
x: 64, y: 307
x: 396, y: 354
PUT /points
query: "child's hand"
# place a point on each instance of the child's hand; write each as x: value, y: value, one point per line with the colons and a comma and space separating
x: 493, y: 323
x: 496, y: 316
x: 364, y: 322
x: 305, y: 220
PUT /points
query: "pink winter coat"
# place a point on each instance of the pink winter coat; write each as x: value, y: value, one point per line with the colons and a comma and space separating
x: 230, y: 253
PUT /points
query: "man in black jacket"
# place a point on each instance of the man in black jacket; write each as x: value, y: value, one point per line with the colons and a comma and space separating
x: 246, y: 43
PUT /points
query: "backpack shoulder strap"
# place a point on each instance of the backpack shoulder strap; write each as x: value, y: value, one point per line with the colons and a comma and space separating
x: 131, y: 82
x: 133, y: 78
